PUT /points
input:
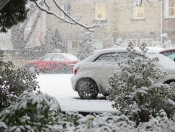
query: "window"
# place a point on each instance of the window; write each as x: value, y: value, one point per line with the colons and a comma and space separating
x: 107, y: 57
x: 169, y: 8
x: 138, y: 12
x: 100, y: 11
x: 169, y: 53
x: 73, y: 45
x: 57, y: 57
x: 29, y: 24
x: 66, y: 9
x: 47, y: 57
x: 133, y: 41
x: 116, y: 57
x: 148, y: 41
x: 124, y: 55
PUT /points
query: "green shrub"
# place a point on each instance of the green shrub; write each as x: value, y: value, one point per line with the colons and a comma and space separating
x: 14, y: 82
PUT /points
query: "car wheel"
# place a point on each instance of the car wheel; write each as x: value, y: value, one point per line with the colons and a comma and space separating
x: 105, y: 94
x: 66, y: 69
x: 31, y: 68
x: 87, y: 88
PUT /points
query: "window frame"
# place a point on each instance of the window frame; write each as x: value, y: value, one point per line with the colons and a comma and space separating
x: 135, y: 8
x: 166, y: 9
x: 100, y: 11
x: 151, y: 39
x: 29, y: 24
x: 136, y: 44
x: 109, y: 53
x: 65, y: 10
x: 70, y: 45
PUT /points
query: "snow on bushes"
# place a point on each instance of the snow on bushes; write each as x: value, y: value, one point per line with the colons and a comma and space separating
x: 135, y: 94
x: 32, y: 111
x: 14, y: 82
x: 141, y: 105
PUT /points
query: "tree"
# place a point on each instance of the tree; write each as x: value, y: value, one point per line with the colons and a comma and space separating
x: 12, y: 13
x: 53, y: 42
x: 15, y: 12
x: 86, y: 46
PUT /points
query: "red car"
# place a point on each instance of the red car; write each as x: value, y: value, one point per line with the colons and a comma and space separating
x: 53, y: 62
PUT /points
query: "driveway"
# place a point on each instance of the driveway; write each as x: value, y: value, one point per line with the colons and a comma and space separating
x: 59, y: 86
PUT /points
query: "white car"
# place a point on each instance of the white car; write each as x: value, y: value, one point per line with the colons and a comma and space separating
x: 91, y: 75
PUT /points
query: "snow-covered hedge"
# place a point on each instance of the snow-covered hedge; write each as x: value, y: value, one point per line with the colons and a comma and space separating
x: 142, y: 106
x: 135, y: 94
x: 14, y: 82
x: 38, y: 112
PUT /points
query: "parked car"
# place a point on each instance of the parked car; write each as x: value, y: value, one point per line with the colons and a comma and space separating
x: 53, y: 62
x: 91, y: 75
x: 170, y: 53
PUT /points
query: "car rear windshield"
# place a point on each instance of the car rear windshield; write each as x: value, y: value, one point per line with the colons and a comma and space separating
x: 71, y: 57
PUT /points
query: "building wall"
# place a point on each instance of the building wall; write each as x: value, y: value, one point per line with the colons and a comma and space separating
x: 120, y: 22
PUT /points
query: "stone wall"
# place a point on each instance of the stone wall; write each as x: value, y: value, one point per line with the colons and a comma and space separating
x: 120, y: 22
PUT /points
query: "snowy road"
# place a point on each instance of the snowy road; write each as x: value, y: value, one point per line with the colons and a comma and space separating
x: 59, y: 86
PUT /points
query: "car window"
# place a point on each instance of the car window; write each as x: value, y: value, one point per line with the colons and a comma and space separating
x: 124, y: 55
x: 57, y: 57
x: 116, y: 57
x: 170, y: 54
x: 107, y: 57
x: 172, y: 57
x: 47, y: 57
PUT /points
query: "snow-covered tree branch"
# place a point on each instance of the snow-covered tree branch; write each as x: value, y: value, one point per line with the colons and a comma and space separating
x: 69, y: 19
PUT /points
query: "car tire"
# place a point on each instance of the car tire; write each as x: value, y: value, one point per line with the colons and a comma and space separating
x: 65, y: 69
x: 87, y: 88
x: 32, y: 68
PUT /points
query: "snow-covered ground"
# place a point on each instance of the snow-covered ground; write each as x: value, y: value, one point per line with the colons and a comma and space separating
x: 59, y: 86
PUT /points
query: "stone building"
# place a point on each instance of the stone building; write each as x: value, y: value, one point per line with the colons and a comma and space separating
x: 137, y: 24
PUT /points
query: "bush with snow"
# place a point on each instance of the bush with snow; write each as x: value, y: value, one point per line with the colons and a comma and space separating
x: 14, y: 82
x: 34, y: 112
x: 38, y: 112
x: 135, y: 94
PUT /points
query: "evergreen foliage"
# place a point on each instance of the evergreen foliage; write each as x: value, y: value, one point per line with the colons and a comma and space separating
x: 31, y: 112
x: 86, y: 46
x: 12, y: 13
x: 134, y: 92
x: 14, y: 82
x: 54, y: 42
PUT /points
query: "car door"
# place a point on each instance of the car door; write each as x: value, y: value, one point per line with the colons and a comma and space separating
x: 57, y: 62
x: 105, y: 65
x: 45, y: 62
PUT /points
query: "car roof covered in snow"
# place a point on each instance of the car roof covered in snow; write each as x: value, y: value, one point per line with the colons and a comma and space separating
x: 124, y: 49
x: 67, y: 55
